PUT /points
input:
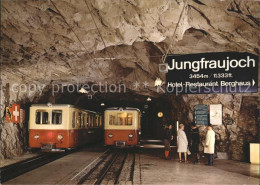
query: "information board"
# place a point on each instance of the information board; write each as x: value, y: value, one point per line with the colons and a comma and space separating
x: 215, y: 114
x: 201, y: 114
x: 223, y: 72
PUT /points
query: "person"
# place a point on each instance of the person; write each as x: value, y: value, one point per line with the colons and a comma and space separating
x: 209, y: 145
x: 195, y: 141
x: 167, y: 137
x: 182, y: 143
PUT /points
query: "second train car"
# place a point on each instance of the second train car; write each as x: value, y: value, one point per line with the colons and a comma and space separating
x: 122, y: 126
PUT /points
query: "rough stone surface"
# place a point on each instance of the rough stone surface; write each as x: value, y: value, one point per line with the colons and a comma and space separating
x: 122, y: 41
x: 240, y: 122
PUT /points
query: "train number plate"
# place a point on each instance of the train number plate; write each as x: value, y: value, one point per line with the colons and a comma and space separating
x: 120, y: 143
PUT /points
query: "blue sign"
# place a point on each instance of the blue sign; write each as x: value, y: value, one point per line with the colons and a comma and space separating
x: 205, y: 73
x: 201, y: 114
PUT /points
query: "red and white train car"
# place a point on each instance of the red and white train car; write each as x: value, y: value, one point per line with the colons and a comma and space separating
x: 122, y: 126
x: 55, y: 127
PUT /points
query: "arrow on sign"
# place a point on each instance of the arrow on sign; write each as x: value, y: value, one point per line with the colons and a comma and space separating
x: 253, y: 82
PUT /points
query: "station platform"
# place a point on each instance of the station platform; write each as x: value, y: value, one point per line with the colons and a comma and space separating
x: 17, y: 159
x: 153, y: 169
x: 149, y: 168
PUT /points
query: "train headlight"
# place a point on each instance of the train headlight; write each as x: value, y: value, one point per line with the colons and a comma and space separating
x: 60, y: 137
x: 139, y: 132
x: 131, y: 135
x: 36, y: 136
x: 110, y: 135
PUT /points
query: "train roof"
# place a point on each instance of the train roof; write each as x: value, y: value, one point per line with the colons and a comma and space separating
x: 123, y: 108
x: 61, y: 105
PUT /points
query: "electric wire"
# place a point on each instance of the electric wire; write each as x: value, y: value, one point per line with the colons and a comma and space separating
x: 172, y: 39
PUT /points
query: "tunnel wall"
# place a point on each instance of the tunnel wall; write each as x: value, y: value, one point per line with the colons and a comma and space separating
x: 232, y: 138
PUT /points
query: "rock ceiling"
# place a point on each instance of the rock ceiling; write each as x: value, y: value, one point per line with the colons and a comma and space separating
x: 57, y: 41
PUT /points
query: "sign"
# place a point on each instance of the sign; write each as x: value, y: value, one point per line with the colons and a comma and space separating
x: 215, y: 114
x: 13, y: 113
x: 204, y: 73
x: 201, y: 114
x: 8, y: 114
x: 16, y: 113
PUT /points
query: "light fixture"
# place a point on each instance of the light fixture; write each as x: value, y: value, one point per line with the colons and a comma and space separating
x: 160, y: 114
x: 158, y: 82
x: 60, y: 137
x: 163, y: 68
x: 82, y: 90
x: 102, y: 104
x: 149, y: 99
x: 36, y: 136
x: 49, y: 104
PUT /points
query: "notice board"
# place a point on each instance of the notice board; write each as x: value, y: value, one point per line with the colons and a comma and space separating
x: 201, y: 115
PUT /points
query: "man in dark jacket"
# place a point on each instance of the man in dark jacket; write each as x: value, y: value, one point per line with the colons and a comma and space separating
x: 195, y: 141
x: 167, y: 137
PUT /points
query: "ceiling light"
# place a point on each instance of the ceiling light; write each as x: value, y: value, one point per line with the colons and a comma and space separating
x: 82, y: 90
x: 158, y: 82
x: 102, y: 104
x: 160, y: 114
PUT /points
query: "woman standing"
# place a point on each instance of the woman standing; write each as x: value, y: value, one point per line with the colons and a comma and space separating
x: 182, y: 143
x: 167, y: 140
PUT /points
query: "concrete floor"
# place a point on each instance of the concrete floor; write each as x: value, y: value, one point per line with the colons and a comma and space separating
x: 60, y: 171
x: 155, y: 170
x: 17, y: 159
x: 150, y: 168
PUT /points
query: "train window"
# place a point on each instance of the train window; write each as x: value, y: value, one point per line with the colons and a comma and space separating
x: 91, y: 120
x: 99, y: 123
x: 121, y: 119
x: 112, y: 119
x: 56, y: 117
x: 73, y: 119
x: 42, y: 117
x: 83, y: 120
x: 79, y: 120
x: 88, y: 119
x: 96, y: 120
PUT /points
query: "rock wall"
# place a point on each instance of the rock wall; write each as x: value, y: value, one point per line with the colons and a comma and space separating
x: 120, y: 41
x: 13, y: 139
x: 240, y: 121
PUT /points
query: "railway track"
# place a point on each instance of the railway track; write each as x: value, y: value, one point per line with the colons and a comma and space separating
x: 115, y: 166
x: 11, y: 171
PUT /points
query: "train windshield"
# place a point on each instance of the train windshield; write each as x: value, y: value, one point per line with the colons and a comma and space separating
x: 56, y: 117
x: 121, y: 118
x: 42, y: 117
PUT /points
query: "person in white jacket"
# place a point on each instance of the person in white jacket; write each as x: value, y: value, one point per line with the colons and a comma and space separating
x: 182, y: 143
x: 209, y: 145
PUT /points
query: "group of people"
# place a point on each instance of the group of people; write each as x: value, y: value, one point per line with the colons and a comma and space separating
x: 182, y: 143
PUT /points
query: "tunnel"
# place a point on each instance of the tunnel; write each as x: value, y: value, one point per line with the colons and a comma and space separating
x: 102, y: 54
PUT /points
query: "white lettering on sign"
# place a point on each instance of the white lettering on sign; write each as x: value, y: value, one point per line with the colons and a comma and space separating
x: 196, y: 66
x: 16, y: 113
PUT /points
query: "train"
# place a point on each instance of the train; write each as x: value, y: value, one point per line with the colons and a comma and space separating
x: 122, y: 126
x: 60, y: 127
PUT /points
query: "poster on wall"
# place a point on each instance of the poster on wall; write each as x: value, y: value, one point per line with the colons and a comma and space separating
x: 215, y: 113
